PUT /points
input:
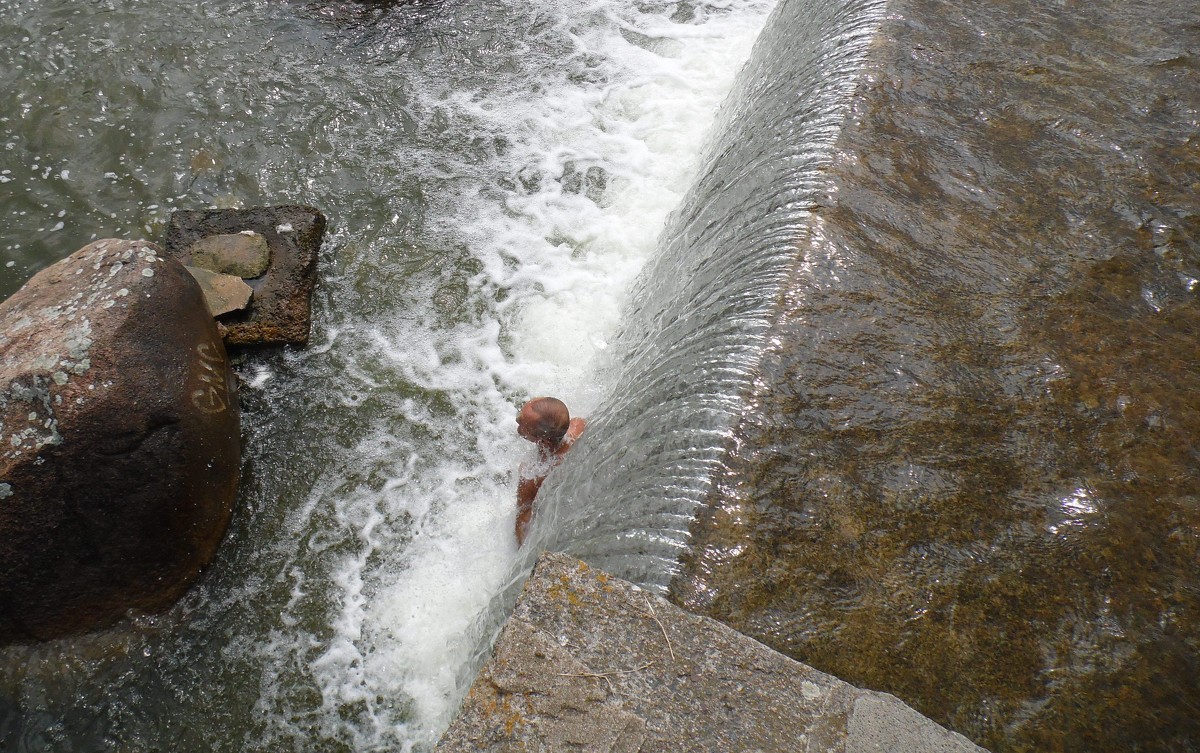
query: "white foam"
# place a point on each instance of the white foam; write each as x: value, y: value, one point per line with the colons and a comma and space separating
x: 435, y: 542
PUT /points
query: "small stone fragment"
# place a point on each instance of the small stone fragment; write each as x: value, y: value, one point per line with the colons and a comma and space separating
x: 222, y: 293
x: 245, y: 254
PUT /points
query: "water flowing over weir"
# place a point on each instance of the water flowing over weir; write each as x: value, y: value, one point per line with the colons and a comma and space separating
x: 685, y: 359
x: 966, y: 469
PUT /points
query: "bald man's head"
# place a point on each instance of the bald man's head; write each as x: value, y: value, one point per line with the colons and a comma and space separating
x: 544, y: 420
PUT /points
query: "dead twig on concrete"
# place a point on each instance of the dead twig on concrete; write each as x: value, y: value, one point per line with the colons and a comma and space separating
x: 607, y: 676
x: 654, y: 616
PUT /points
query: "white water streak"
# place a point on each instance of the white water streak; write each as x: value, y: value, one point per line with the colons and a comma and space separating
x: 435, y: 542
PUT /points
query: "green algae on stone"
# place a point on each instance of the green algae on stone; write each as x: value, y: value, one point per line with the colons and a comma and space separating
x: 593, y: 663
x: 970, y: 475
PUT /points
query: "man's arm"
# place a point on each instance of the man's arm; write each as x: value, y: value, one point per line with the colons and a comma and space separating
x: 574, y: 429
x: 527, y: 489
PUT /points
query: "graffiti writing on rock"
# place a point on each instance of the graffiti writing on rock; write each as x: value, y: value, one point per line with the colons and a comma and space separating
x: 213, y: 395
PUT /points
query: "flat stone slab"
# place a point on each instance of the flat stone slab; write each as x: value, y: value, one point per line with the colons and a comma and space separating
x: 222, y: 292
x: 279, y: 312
x: 589, y: 662
x: 245, y: 254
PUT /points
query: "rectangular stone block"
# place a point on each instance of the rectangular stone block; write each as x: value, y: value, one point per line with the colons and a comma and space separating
x: 279, y: 312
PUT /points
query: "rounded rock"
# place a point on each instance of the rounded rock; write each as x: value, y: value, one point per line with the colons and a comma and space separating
x: 119, y: 441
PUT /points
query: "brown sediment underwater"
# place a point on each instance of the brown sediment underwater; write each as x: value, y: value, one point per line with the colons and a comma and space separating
x: 968, y: 473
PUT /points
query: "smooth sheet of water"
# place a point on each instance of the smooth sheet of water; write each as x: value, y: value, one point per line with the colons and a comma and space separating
x: 495, y: 174
x: 689, y: 346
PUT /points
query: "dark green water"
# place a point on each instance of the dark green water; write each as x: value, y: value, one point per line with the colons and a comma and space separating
x: 494, y: 174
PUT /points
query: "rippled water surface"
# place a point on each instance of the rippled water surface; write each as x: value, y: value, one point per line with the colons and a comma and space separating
x: 692, y: 338
x: 967, y: 473
x: 495, y: 173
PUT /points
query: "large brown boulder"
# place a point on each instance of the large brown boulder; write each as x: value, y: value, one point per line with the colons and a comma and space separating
x: 119, y: 439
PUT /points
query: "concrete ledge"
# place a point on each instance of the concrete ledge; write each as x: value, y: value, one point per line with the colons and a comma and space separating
x: 592, y: 663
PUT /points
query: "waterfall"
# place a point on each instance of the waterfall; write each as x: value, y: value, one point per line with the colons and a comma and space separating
x: 683, y: 362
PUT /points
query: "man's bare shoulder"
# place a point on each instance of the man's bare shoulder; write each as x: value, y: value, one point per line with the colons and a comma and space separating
x: 575, y: 428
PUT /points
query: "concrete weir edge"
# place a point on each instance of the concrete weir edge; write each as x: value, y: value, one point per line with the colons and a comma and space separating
x: 591, y: 662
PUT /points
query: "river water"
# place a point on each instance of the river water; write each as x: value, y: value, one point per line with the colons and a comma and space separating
x: 495, y: 174
x: 895, y: 370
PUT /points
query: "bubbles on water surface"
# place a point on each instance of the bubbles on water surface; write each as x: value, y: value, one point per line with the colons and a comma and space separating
x: 494, y: 177
x: 557, y: 219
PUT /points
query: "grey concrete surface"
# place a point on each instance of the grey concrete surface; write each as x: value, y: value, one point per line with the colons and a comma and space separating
x: 591, y: 663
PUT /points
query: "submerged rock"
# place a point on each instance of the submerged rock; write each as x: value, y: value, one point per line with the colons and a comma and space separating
x: 967, y: 472
x: 119, y: 440
x: 279, y: 312
x: 588, y: 662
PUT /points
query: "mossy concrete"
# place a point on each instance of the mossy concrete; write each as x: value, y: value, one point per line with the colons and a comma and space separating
x: 592, y: 663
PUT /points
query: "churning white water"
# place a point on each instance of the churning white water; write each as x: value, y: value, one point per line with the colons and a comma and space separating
x: 593, y: 163
x: 495, y: 173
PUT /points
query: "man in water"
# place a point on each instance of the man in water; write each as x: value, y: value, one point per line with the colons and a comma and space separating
x: 546, y: 422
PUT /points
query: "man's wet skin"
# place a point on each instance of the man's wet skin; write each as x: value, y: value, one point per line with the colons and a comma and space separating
x: 547, y: 423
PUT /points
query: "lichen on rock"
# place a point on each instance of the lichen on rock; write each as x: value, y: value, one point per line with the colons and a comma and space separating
x: 119, y: 440
x: 592, y: 663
